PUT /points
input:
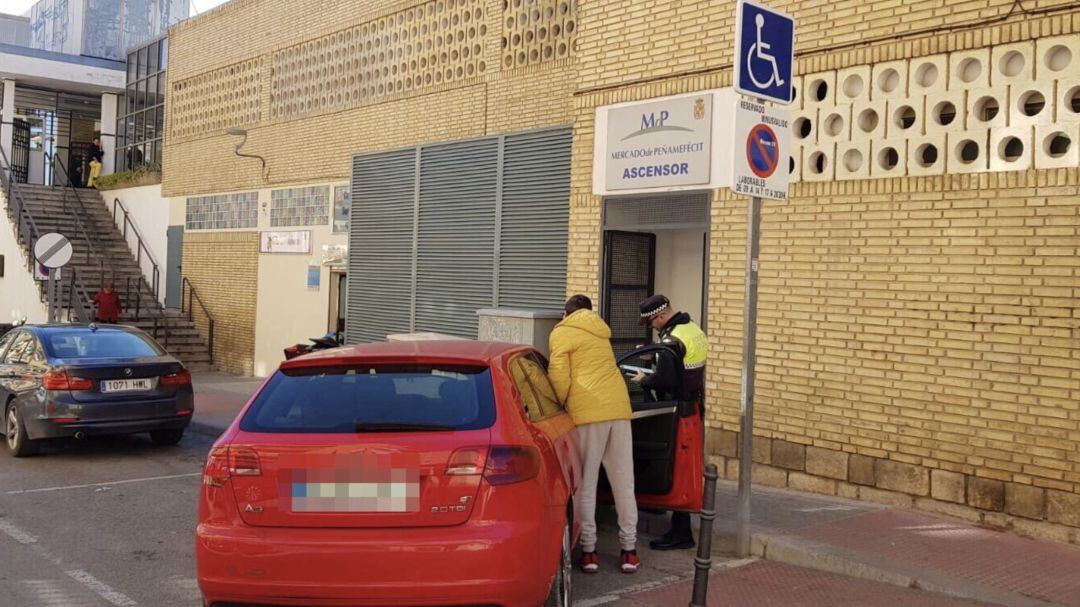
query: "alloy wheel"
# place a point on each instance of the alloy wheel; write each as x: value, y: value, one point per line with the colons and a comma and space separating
x: 12, y: 429
x: 567, y: 565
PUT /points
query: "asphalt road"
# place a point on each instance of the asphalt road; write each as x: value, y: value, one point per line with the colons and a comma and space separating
x: 110, y: 523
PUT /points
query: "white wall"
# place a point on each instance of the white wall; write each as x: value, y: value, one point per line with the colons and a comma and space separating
x: 150, y: 214
x: 19, y: 295
x: 680, y: 264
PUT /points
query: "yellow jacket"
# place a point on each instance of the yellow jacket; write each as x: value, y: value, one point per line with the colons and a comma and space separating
x: 583, y: 370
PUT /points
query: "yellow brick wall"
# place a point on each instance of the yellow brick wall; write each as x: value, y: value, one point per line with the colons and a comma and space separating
x: 929, y: 322
x: 224, y: 269
x: 318, y: 145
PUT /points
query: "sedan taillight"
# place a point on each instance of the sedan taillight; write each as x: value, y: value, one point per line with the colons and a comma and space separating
x: 216, y: 471
x: 183, y: 378
x: 511, y: 464
x: 60, y: 380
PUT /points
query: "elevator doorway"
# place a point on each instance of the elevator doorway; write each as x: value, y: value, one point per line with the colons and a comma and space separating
x: 653, y: 244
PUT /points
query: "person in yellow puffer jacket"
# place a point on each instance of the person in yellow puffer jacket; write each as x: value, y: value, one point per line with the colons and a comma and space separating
x: 587, y: 380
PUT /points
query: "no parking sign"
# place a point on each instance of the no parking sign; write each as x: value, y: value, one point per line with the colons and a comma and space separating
x: 762, y: 157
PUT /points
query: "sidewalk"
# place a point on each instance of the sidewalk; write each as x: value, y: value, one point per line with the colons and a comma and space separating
x: 818, y: 551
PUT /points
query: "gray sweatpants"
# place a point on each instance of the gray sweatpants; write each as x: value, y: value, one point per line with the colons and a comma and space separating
x: 610, y: 444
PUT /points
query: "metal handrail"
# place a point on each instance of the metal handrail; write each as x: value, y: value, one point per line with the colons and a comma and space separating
x: 156, y: 275
x: 188, y: 294
x: 90, y: 249
x: 27, y: 233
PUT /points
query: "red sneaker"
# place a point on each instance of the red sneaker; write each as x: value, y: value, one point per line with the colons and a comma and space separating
x: 590, y: 563
x: 629, y: 561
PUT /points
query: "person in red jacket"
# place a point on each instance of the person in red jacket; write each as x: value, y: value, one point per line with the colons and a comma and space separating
x: 108, y: 304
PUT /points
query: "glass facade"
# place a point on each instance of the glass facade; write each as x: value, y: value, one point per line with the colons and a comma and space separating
x: 140, y: 126
x: 101, y: 28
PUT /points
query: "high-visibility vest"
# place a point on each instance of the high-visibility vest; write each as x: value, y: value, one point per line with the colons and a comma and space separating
x: 695, y: 342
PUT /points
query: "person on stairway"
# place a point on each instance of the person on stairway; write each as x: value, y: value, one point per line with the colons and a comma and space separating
x: 108, y: 304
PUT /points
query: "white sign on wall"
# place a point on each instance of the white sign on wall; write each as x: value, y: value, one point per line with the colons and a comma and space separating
x: 760, y: 150
x: 285, y: 242
x: 657, y: 144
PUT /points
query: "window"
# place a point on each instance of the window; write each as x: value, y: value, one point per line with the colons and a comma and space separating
x: 341, y: 208
x: 143, y: 109
x: 21, y: 350
x: 336, y: 400
x: 99, y: 344
x: 5, y: 340
x: 532, y: 383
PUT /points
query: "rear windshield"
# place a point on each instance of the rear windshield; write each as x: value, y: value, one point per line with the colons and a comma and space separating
x: 98, y: 344
x: 338, y: 399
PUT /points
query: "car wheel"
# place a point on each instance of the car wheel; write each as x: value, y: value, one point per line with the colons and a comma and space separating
x: 18, y: 444
x: 560, y: 595
x: 166, y: 438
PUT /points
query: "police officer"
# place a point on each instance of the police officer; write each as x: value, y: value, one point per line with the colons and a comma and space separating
x: 675, y: 329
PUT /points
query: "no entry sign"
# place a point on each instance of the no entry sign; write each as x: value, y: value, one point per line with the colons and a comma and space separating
x: 762, y: 133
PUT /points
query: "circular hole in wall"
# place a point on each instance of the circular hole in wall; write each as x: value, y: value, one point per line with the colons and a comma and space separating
x: 868, y: 120
x: 1032, y: 103
x: 803, y: 128
x: 1057, y: 58
x: 1072, y: 100
x: 1011, y: 149
x: 834, y: 125
x: 986, y: 109
x: 889, y: 80
x: 944, y: 113
x: 853, y: 86
x: 1012, y: 63
x: 888, y: 158
x: 904, y: 117
x: 819, y: 90
x: 926, y: 75
x: 968, y: 151
x: 926, y: 155
x: 969, y: 70
x: 853, y: 160
x: 791, y: 165
x: 1057, y: 144
x: 818, y: 162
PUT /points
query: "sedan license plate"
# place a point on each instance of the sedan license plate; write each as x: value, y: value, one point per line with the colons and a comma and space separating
x: 127, y: 385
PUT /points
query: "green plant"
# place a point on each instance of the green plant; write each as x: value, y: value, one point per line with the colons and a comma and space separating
x: 148, y: 174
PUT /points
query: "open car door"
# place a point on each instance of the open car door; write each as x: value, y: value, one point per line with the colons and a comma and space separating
x: 668, y: 435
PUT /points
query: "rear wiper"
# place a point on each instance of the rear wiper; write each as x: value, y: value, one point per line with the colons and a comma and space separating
x: 363, y: 426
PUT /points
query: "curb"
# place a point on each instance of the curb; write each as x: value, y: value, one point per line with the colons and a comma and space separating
x: 822, y: 557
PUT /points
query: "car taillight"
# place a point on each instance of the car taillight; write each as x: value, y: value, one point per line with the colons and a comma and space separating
x: 182, y: 378
x: 216, y: 471
x: 60, y: 380
x: 466, y: 462
x: 243, y: 461
x: 510, y: 464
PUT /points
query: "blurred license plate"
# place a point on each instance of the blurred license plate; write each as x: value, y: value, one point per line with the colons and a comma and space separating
x: 127, y: 385
x: 356, y: 497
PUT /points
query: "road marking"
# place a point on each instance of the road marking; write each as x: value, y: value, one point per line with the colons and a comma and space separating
x: 123, y: 482
x: 623, y: 592
x: 17, y: 534
x: 101, y: 588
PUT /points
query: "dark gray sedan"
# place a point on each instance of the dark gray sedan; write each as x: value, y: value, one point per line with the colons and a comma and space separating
x: 75, y: 380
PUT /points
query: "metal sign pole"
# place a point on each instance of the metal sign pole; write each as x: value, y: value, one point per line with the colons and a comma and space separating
x: 746, y: 401
x: 52, y: 296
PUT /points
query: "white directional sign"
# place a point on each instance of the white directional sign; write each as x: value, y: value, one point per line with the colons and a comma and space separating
x: 764, y: 52
x: 53, y: 250
x: 761, y: 158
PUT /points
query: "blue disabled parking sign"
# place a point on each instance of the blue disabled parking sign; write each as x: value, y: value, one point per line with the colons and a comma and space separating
x: 764, y: 52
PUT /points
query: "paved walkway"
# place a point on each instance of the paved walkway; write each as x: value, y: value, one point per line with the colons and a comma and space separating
x: 818, y: 550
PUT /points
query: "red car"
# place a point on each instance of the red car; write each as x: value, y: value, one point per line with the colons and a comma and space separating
x: 423, y: 473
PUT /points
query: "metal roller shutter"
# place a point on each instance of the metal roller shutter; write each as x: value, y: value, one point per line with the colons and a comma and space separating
x: 456, y: 235
x: 381, y: 246
x: 535, y: 220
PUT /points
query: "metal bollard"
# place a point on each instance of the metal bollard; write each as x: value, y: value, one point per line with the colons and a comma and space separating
x: 703, y: 560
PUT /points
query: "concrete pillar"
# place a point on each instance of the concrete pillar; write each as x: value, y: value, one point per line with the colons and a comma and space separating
x: 108, y: 132
x: 7, y: 118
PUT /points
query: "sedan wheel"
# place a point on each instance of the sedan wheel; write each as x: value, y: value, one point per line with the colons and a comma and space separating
x: 560, y: 594
x: 18, y: 444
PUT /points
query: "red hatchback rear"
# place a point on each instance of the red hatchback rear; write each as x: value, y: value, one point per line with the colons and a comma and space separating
x: 391, y: 474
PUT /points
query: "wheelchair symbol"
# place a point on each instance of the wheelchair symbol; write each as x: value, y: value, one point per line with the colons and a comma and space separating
x: 758, y: 51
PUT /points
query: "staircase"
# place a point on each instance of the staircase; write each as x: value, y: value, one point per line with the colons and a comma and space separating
x: 102, y: 253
